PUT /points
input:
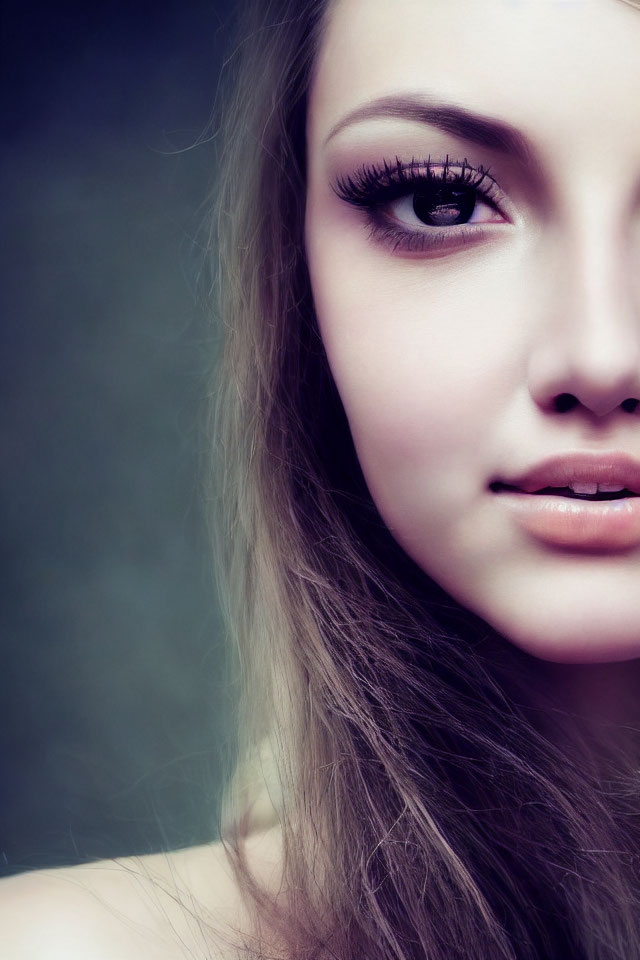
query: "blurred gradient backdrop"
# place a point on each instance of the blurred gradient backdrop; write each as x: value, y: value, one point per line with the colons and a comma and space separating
x: 115, y: 711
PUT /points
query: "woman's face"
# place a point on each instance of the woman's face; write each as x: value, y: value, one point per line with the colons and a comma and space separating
x: 481, y: 316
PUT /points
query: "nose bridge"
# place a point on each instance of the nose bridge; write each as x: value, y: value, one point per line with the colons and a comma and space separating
x: 590, y: 346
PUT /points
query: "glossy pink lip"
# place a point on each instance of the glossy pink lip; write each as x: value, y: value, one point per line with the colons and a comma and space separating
x: 574, y: 523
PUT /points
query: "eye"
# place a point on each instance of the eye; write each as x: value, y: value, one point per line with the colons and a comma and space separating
x: 443, y: 205
x: 424, y: 206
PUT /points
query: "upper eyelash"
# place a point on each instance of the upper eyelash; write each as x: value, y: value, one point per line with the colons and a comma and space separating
x: 371, y: 186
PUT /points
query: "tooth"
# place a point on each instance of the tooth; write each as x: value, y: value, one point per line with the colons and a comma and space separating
x: 584, y: 487
x: 610, y: 487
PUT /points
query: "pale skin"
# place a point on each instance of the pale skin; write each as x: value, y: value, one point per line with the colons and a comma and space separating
x: 448, y: 359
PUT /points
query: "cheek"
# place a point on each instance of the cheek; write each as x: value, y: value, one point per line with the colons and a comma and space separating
x: 422, y: 361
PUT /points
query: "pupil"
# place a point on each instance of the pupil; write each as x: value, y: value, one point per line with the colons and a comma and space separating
x: 444, y: 206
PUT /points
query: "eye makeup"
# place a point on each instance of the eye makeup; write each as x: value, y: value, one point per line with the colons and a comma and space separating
x: 445, y: 195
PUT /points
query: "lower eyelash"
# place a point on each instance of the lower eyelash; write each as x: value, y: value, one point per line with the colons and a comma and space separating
x: 373, y: 187
x: 416, y: 241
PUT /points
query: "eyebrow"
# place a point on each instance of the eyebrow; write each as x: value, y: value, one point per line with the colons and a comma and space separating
x: 483, y: 130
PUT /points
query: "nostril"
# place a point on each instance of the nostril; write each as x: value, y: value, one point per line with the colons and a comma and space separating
x: 567, y: 401
x: 564, y: 402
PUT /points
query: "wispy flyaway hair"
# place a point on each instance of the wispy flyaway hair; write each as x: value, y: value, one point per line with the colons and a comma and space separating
x: 426, y: 811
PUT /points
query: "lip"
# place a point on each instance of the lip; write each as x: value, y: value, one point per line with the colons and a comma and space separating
x: 575, y: 523
x: 560, y: 471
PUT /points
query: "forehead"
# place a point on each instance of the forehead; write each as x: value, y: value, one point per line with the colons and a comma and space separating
x: 547, y: 66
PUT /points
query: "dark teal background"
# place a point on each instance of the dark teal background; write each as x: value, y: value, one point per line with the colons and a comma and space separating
x: 115, y: 710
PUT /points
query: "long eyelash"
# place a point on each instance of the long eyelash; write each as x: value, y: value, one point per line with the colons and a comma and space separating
x: 373, y: 187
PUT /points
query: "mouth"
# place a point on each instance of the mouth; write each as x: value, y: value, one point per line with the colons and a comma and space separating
x: 577, y: 475
x: 578, y: 501
x: 619, y: 493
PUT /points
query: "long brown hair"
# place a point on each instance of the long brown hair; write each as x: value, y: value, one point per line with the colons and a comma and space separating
x: 429, y: 806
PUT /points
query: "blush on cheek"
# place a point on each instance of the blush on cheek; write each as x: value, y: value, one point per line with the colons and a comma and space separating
x: 390, y: 437
x: 410, y: 423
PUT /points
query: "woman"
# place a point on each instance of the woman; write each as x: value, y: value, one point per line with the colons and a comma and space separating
x: 428, y: 231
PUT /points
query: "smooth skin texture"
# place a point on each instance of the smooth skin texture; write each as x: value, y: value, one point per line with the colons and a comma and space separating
x: 181, y: 905
x: 153, y: 907
x: 448, y: 360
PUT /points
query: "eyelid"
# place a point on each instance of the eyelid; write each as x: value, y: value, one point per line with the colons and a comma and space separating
x: 372, y: 187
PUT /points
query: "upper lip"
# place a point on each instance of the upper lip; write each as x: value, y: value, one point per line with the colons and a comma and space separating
x: 566, y: 469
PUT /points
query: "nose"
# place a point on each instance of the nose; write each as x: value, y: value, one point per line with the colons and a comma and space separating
x: 587, y: 353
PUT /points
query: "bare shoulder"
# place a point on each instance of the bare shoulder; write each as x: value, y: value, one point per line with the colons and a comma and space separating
x: 172, y: 906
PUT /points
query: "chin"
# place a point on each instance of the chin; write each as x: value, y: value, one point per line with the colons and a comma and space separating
x: 567, y: 640
x: 563, y: 613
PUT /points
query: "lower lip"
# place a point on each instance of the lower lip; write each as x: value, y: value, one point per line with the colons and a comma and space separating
x: 581, y: 524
